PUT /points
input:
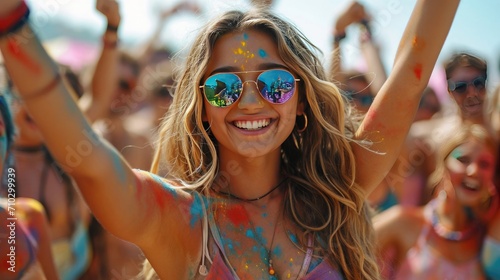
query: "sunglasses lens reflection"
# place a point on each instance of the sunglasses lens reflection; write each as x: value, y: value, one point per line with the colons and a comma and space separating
x: 223, y: 89
x: 276, y: 86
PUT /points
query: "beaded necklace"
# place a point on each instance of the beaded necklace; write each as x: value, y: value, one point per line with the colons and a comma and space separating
x: 448, y: 234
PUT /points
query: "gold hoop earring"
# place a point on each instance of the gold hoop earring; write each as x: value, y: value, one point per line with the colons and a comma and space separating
x: 305, y: 124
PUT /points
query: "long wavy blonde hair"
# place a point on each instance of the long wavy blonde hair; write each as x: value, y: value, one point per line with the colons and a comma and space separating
x: 323, y: 198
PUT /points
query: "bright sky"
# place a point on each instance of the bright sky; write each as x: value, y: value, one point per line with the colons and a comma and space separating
x: 475, y: 28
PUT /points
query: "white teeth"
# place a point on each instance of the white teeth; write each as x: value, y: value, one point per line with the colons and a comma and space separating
x: 471, y: 186
x: 252, y: 125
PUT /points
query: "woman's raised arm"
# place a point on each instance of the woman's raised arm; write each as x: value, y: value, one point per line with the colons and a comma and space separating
x: 108, y: 184
x: 391, y: 114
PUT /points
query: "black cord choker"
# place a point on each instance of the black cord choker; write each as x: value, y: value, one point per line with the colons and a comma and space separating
x: 251, y: 199
x: 29, y: 149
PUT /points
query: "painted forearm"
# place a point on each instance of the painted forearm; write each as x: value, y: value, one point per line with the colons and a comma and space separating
x: 390, y: 116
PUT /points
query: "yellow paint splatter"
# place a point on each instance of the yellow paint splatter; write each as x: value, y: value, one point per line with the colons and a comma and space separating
x: 418, y: 43
x: 243, y: 43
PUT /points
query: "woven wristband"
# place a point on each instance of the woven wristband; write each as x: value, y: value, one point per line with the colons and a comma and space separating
x: 112, y: 28
x: 15, y: 20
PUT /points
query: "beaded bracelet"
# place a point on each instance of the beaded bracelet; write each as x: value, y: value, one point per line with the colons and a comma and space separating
x: 15, y: 20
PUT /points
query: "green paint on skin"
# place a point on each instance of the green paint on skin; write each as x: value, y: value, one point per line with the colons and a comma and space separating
x: 262, y: 53
x: 456, y: 154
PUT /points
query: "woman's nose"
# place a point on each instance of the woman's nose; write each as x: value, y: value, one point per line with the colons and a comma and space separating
x: 472, y: 169
x: 250, y: 96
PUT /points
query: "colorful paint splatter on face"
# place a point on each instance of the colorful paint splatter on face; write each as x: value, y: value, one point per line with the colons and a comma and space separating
x: 262, y: 53
x: 456, y: 154
x: 454, y: 163
x: 243, y: 53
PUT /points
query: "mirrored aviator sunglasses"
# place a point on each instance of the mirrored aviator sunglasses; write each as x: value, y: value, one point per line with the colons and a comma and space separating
x: 276, y: 86
x: 479, y: 83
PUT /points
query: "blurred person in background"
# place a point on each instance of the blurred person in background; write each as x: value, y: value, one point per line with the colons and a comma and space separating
x: 443, y: 239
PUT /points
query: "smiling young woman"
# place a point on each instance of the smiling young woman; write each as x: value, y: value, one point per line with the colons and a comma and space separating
x: 267, y: 169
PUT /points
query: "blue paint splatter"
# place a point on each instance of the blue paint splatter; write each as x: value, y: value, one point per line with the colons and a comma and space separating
x: 196, y: 211
x: 164, y: 185
x: 262, y: 53
x: 259, y: 231
x: 277, y: 251
x: 231, y: 244
x: 250, y: 234
x: 245, y: 36
x: 120, y: 169
x: 293, y: 237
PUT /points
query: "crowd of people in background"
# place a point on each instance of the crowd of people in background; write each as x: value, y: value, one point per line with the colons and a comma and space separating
x: 436, y: 213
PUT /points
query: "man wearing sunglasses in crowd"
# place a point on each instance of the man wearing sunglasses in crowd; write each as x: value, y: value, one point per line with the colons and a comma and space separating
x: 466, y: 77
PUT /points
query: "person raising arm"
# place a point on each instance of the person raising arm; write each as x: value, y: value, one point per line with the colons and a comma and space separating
x: 232, y: 140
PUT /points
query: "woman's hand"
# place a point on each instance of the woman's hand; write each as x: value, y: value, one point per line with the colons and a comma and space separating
x: 354, y: 13
x: 111, y: 10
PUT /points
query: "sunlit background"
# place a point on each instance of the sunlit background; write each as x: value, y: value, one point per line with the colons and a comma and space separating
x: 476, y: 27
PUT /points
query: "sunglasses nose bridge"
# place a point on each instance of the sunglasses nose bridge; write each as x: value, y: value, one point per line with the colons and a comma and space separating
x: 250, y: 96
